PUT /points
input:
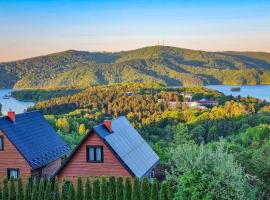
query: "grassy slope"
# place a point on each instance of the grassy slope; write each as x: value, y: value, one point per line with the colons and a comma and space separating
x: 168, y: 65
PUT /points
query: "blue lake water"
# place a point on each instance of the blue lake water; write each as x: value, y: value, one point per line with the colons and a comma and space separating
x: 13, y: 104
x: 257, y: 91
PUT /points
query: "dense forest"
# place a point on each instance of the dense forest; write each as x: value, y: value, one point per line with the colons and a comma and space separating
x: 160, y: 64
x: 219, y: 152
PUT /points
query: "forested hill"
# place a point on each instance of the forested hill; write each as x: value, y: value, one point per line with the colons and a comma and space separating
x: 162, y: 64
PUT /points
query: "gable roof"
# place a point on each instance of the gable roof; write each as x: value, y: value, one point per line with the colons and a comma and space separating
x: 128, y: 145
x: 34, y: 138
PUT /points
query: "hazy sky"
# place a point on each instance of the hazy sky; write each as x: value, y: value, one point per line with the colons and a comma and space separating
x: 34, y: 27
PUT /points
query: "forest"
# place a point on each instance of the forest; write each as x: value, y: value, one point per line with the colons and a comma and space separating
x: 211, y: 152
x: 161, y: 64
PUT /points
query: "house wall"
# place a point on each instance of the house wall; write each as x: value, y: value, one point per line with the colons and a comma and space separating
x: 78, y: 166
x: 11, y: 158
x: 50, y: 169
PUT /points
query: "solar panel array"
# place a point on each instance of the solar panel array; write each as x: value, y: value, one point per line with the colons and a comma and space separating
x: 129, y: 146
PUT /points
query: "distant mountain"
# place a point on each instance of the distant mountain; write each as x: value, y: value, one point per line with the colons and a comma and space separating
x: 162, y: 64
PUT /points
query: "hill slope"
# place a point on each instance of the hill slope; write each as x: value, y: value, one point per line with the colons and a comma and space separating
x: 162, y: 64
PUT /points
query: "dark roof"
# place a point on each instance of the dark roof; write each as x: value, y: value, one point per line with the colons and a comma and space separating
x: 128, y: 146
x: 34, y: 138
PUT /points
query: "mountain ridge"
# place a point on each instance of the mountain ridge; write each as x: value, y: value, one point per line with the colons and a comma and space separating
x: 162, y: 64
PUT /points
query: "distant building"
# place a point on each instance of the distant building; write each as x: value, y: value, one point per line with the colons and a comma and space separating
x: 113, y: 148
x: 204, y: 102
x: 29, y: 146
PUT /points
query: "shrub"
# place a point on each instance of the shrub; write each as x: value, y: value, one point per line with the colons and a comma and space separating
x: 88, y: 189
x: 79, y: 192
x: 34, y: 194
x: 119, y: 188
x: 27, y: 193
x: 12, y: 190
x: 56, y: 195
x: 41, y: 188
x: 96, y: 189
x: 127, y: 189
x: 103, y: 189
x: 154, y: 190
x: 111, y: 189
x: 136, y: 190
x: 145, y: 189
x: 5, y: 189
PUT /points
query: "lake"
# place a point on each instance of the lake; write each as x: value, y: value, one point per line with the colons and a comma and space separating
x: 257, y: 91
x: 13, y: 104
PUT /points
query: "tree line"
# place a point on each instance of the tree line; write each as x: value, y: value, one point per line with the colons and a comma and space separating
x: 100, y: 188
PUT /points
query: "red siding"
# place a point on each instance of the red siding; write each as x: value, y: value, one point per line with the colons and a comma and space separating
x: 11, y: 158
x: 78, y: 166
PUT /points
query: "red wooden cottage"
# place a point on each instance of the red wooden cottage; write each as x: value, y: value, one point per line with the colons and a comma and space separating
x: 113, y: 148
x: 29, y: 146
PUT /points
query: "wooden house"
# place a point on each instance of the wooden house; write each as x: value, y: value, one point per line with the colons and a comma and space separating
x: 113, y: 148
x: 29, y: 146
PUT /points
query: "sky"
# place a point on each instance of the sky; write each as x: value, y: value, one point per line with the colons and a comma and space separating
x: 31, y: 28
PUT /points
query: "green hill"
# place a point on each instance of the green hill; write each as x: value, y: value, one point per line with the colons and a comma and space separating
x: 162, y: 64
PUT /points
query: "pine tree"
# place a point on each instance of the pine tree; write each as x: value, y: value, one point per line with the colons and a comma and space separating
x: 112, y: 188
x: 5, y: 189
x: 12, y: 190
x: 127, y: 189
x: 20, y: 195
x: 96, y: 189
x: 80, y: 192
x: 56, y: 194
x: 103, y: 189
x: 88, y: 190
x: 72, y: 195
x: 34, y: 195
x: 48, y: 194
x: 27, y: 193
x: 41, y: 189
x: 136, y: 190
x: 163, y: 192
x: 154, y: 190
x: 145, y: 193
x: 64, y: 195
x: 119, y: 189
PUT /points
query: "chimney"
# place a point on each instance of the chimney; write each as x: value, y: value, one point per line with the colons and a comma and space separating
x: 11, y: 116
x: 108, y: 125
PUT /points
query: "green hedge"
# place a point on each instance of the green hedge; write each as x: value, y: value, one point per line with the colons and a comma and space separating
x: 99, y: 188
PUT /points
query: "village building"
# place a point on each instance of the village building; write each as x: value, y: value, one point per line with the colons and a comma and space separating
x: 113, y: 148
x: 29, y: 146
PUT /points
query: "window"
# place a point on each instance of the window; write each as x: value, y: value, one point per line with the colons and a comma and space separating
x: 1, y: 143
x: 94, y: 154
x: 13, y: 173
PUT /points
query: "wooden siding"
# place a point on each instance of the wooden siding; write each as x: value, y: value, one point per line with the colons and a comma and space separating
x: 12, y: 158
x: 78, y: 166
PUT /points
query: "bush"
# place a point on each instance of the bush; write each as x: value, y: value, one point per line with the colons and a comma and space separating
x: 20, y: 194
x: 154, y: 190
x: 34, y: 194
x: 127, y: 189
x: 12, y: 192
x: 88, y: 189
x: 5, y: 189
x: 136, y: 190
x: 119, y: 189
x: 145, y: 193
x: 96, y: 189
x: 103, y: 189
x: 79, y: 193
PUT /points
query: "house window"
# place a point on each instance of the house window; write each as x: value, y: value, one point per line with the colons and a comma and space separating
x: 1, y: 143
x: 13, y: 173
x: 94, y: 154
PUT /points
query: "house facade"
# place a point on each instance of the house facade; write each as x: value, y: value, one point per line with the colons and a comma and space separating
x: 113, y: 148
x: 29, y: 146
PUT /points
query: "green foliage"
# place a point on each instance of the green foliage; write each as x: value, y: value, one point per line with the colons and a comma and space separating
x: 56, y: 194
x: 27, y: 193
x: 88, y: 190
x: 96, y: 189
x: 12, y: 190
x: 41, y: 189
x: 127, y: 189
x: 103, y: 189
x: 162, y: 64
x: 136, y: 191
x: 119, y: 189
x: 34, y: 192
x: 1, y: 194
x: 65, y: 193
x: 154, y: 190
x: 145, y: 189
x: 208, y: 174
x: 48, y: 194
x: 111, y: 188
x: 80, y: 190
x: 72, y: 193
x: 164, y: 192
x: 5, y: 193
